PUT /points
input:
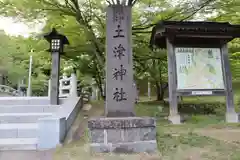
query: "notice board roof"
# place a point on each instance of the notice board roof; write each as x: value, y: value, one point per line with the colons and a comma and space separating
x: 190, y: 32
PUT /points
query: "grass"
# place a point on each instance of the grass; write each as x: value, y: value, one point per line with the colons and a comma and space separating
x: 191, y: 145
x: 200, y: 137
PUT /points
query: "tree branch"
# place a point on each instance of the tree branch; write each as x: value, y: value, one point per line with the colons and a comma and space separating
x: 70, y: 5
x: 198, y: 9
x: 57, y: 7
x: 136, y: 27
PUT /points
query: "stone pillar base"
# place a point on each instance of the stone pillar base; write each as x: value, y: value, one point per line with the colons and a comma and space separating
x: 232, y: 117
x: 175, y: 119
x: 123, y: 134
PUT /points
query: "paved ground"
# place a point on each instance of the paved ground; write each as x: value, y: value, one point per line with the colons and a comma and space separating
x: 26, y: 155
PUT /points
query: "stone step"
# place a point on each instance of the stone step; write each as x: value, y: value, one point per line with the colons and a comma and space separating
x: 18, y: 144
x: 18, y: 130
x: 22, y: 117
x: 27, y: 108
x: 24, y: 101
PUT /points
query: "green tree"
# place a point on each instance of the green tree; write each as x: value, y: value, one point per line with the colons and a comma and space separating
x: 84, y: 23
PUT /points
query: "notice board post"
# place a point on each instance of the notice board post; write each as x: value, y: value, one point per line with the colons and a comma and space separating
x: 198, y: 63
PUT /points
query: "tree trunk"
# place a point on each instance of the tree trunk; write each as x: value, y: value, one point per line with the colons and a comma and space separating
x: 103, y: 91
x: 1, y: 79
x: 101, y: 88
x: 158, y: 90
x: 99, y: 84
x: 99, y: 80
x: 163, y: 87
x: 162, y: 91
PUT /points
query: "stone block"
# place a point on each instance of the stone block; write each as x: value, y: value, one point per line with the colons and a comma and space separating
x: 135, y: 147
x: 131, y: 134
x: 123, y: 122
x: 51, y: 132
x: 147, y: 134
x: 97, y: 136
x: 175, y: 119
x: 125, y: 148
x: 114, y: 135
x: 100, y: 148
x: 232, y: 117
x: 123, y: 135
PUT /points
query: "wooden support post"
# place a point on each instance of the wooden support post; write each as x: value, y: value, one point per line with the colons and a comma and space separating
x: 172, y: 81
x: 231, y: 115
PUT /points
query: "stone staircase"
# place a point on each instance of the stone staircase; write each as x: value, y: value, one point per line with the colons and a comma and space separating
x: 19, y: 122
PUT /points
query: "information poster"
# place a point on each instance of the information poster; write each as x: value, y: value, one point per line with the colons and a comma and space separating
x: 199, y: 68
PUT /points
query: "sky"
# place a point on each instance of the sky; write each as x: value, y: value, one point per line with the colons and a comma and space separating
x: 17, y: 28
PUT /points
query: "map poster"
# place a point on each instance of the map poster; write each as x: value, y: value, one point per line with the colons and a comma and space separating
x: 199, y: 68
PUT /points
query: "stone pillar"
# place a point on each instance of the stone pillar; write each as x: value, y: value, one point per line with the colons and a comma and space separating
x: 149, y: 90
x: 64, y: 76
x: 103, y: 90
x: 60, y: 87
x: 19, y: 83
x: 120, y: 131
x: 120, y: 96
x: 49, y: 88
x: 97, y: 93
x: 135, y: 93
x: 29, y: 89
x: 54, y: 96
x: 21, y: 87
x: 73, y: 83
x: 93, y: 97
